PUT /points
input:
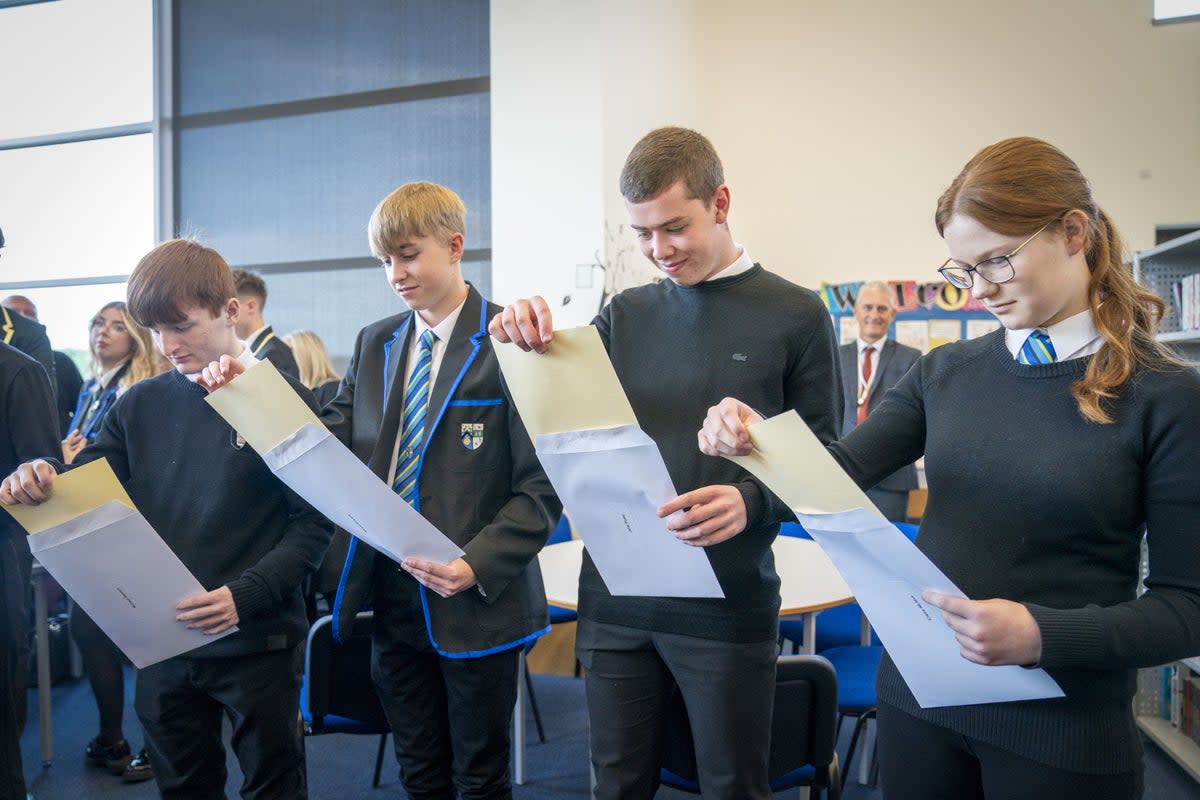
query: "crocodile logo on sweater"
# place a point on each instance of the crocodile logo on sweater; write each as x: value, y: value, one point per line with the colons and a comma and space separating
x: 740, y: 357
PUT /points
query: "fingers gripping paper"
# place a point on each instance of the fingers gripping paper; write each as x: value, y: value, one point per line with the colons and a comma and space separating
x: 262, y: 407
x: 609, y: 474
x: 885, y: 570
x: 89, y: 536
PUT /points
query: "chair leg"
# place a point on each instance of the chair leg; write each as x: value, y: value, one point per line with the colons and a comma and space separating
x: 537, y: 716
x: 859, y: 726
x: 379, y: 760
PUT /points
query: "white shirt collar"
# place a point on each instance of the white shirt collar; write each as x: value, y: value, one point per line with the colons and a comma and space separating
x: 1074, y: 337
x: 862, y: 345
x: 107, y: 376
x: 444, y: 328
x: 256, y: 334
x: 742, y: 263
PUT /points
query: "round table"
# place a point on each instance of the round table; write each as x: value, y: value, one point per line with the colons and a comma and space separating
x: 808, y: 581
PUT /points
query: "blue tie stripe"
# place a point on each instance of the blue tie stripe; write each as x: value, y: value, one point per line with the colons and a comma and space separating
x: 1037, y: 349
x: 412, y: 429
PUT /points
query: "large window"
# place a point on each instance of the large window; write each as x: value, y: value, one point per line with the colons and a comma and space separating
x: 76, y: 156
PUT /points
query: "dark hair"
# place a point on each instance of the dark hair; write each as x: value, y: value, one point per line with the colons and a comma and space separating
x: 250, y: 283
x: 667, y: 155
x: 176, y: 275
x: 1015, y: 187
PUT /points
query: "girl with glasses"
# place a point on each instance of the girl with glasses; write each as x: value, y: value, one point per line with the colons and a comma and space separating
x: 1054, y: 444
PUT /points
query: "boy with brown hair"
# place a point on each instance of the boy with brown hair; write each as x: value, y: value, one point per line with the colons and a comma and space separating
x: 239, y: 530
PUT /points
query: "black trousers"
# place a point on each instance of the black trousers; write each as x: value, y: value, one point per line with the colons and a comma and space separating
x: 729, y: 691
x: 922, y: 761
x: 180, y: 703
x: 450, y: 717
x: 15, y: 563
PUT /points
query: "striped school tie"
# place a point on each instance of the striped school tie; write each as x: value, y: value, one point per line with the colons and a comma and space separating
x: 416, y: 403
x: 1037, y: 350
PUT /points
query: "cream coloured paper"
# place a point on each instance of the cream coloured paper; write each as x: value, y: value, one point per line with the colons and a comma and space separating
x: 570, y: 387
x: 74, y: 492
x: 262, y: 406
x: 793, y: 463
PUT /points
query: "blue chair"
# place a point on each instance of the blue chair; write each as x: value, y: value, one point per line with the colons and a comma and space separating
x: 337, y: 694
x: 803, y: 740
x: 856, y: 666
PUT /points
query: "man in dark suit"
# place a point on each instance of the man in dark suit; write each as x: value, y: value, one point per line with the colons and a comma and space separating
x: 253, y: 330
x: 27, y: 336
x: 67, y: 380
x: 870, y: 366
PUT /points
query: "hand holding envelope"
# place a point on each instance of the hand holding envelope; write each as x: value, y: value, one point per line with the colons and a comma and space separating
x: 263, y: 409
x: 608, y: 473
x: 89, y: 536
x: 899, y: 589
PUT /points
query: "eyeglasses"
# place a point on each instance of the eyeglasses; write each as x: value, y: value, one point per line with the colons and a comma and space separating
x: 993, y: 270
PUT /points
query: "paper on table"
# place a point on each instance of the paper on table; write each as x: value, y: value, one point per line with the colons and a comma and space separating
x: 74, y: 492
x: 126, y: 578
x: 886, y: 571
x: 570, y: 387
x: 613, y: 480
x: 334, y: 481
x: 262, y: 406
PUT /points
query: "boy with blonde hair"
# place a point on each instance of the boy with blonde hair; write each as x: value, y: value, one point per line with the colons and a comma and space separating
x: 423, y: 403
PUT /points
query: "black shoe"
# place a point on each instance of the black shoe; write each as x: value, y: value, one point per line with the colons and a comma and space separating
x: 139, y: 769
x: 113, y: 757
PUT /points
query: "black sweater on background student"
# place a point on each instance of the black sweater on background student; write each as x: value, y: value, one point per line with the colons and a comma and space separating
x: 1030, y: 502
x: 217, y: 505
x: 680, y: 349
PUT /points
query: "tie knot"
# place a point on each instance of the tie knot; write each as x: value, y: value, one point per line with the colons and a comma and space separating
x: 427, y: 339
x: 1038, y: 349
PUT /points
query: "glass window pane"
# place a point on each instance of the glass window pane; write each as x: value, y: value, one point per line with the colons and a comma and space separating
x: 302, y: 188
x: 234, y: 54
x: 66, y: 312
x: 74, y: 65
x: 76, y: 210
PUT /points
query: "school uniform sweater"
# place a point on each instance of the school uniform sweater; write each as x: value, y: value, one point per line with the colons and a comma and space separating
x: 680, y: 349
x: 28, y: 428
x: 1030, y: 502
x: 217, y: 506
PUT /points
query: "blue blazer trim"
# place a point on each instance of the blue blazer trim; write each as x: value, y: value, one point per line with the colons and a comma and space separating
x: 500, y: 648
x: 341, y: 589
x: 460, y: 403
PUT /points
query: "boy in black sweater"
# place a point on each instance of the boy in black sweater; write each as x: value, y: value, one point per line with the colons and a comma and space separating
x: 720, y: 320
x: 234, y: 525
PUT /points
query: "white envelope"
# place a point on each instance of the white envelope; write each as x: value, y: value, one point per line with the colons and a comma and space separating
x: 121, y: 572
x: 334, y: 481
x: 612, y: 481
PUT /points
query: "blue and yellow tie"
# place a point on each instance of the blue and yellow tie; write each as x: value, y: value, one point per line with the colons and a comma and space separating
x: 416, y: 403
x: 1037, y: 350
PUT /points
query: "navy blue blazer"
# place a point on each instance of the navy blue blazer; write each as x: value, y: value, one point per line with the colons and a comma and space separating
x: 894, y: 359
x: 478, y: 481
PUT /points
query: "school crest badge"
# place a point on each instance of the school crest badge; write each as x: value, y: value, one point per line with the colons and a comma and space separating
x: 472, y: 435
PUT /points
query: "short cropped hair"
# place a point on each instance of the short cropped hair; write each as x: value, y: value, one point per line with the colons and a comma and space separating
x: 176, y: 275
x: 667, y: 155
x: 878, y: 285
x: 250, y: 283
x: 415, y: 209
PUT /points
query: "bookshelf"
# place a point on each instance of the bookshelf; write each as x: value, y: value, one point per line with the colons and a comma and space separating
x: 1160, y: 269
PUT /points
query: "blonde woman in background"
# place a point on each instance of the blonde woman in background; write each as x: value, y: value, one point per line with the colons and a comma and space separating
x: 123, y: 353
x: 316, y: 370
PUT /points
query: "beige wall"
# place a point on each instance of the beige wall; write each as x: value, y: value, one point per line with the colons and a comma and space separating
x: 838, y: 127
